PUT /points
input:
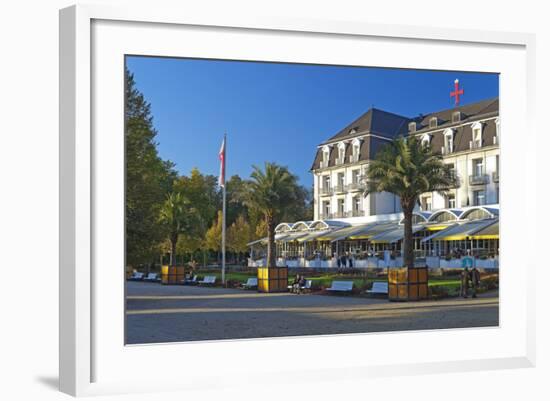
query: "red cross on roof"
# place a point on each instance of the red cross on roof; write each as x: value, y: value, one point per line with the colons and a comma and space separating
x: 456, y: 93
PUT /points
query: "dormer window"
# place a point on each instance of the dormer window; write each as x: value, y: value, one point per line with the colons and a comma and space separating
x: 448, y: 137
x: 412, y: 127
x: 355, y: 150
x: 353, y: 131
x: 341, y: 153
x: 457, y: 116
x: 496, y: 138
x: 425, y: 140
x: 433, y: 122
x: 325, y: 157
x: 476, y: 136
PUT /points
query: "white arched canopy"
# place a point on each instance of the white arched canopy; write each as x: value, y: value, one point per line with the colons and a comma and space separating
x: 282, y: 227
x: 478, y: 213
x: 444, y: 215
x: 417, y: 218
x: 300, y: 226
x: 318, y: 225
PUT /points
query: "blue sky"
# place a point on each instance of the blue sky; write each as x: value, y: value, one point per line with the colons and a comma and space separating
x: 278, y: 112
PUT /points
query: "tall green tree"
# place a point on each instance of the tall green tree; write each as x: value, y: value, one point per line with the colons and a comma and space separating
x: 148, y: 178
x: 408, y: 169
x: 270, y: 192
x: 204, y: 194
x: 239, y: 235
x: 213, y: 236
x: 235, y: 189
x: 178, y: 216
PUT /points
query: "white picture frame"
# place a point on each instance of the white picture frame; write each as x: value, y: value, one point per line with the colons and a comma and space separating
x: 94, y: 360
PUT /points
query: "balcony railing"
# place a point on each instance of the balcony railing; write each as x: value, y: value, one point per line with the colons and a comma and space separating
x: 342, y: 214
x: 475, y: 145
x: 479, y: 179
x: 356, y: 186
x: 323, y: 164
x: 326, y: 191
x: 340, y: 188
x: 496, y: 177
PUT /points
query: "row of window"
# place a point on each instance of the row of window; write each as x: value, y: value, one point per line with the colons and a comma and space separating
x: 475, y: 143
x: 479, y: 198
x: 356, y: 182
x: 341, y: 153
x: 478, y: 177
x: 433, y: 122
x: 447, y: 148
x: 341, y: 211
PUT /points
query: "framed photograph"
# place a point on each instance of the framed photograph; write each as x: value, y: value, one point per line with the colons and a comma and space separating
x: 278, y: 198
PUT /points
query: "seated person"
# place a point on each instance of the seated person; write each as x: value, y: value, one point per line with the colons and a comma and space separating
x: 295, y: 284
x: 301, y: 283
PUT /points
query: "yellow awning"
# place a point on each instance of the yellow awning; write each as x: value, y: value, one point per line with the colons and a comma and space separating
x: 464, y: 231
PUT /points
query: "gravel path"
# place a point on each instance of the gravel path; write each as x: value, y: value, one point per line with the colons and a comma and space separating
x: 157, y: 314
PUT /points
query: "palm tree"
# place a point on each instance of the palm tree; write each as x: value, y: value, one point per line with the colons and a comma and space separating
x: 177, y: 214
x: 407, y: 168
x: 270, y: 192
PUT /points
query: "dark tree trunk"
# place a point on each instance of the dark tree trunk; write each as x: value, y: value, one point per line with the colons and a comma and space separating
x: 271, y: 253
x: 173, y: 243
x: 408, y: 251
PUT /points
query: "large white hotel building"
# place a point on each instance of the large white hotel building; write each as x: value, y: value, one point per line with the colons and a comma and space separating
x: 466, y: 136
x: 368, y: 229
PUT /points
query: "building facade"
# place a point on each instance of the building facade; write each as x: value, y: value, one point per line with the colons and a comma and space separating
x: 367, y: 231
x: 466, y: 136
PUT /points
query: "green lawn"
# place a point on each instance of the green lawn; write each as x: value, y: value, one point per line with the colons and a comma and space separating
x: 325, y: 280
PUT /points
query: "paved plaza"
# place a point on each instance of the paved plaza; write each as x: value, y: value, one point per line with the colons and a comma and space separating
x: 157, y: 314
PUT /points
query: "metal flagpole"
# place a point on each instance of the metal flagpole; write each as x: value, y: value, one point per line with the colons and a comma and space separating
x: 223, y: 212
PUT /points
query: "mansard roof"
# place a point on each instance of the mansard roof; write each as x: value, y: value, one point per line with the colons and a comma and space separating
x: 385, y: 126
x: 374, y: 121
x: 469, y: 113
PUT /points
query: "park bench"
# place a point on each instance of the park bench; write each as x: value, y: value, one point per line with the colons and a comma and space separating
x: 136, y: 276
x: 307, y: 286
x: 190, y: 281
x: 379, y: 287
x: 341, y: 286
x: 252, y: 282
x: 208, y: 280
x: 153, y: 277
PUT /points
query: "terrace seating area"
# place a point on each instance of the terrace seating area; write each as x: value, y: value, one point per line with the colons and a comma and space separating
x: 440, y: 240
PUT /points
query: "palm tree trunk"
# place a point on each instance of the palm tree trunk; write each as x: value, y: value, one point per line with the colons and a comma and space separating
x: 271, y: 257
x: 173, y: 243
x: 408, y: 251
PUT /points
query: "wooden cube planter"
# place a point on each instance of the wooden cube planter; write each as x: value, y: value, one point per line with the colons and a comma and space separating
x: 172, y: 275
x: 272, y: 279
x: 406, y: 284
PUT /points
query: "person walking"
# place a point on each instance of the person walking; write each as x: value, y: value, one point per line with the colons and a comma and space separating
x: 343, y: 261
x: 350, y: 261
x: 475, y: 281
x: 338, y: 261
x: 465, y: 278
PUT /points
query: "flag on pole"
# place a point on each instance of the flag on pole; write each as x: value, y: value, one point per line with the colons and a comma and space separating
x: 221, y: 182
x: 221, y: 155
